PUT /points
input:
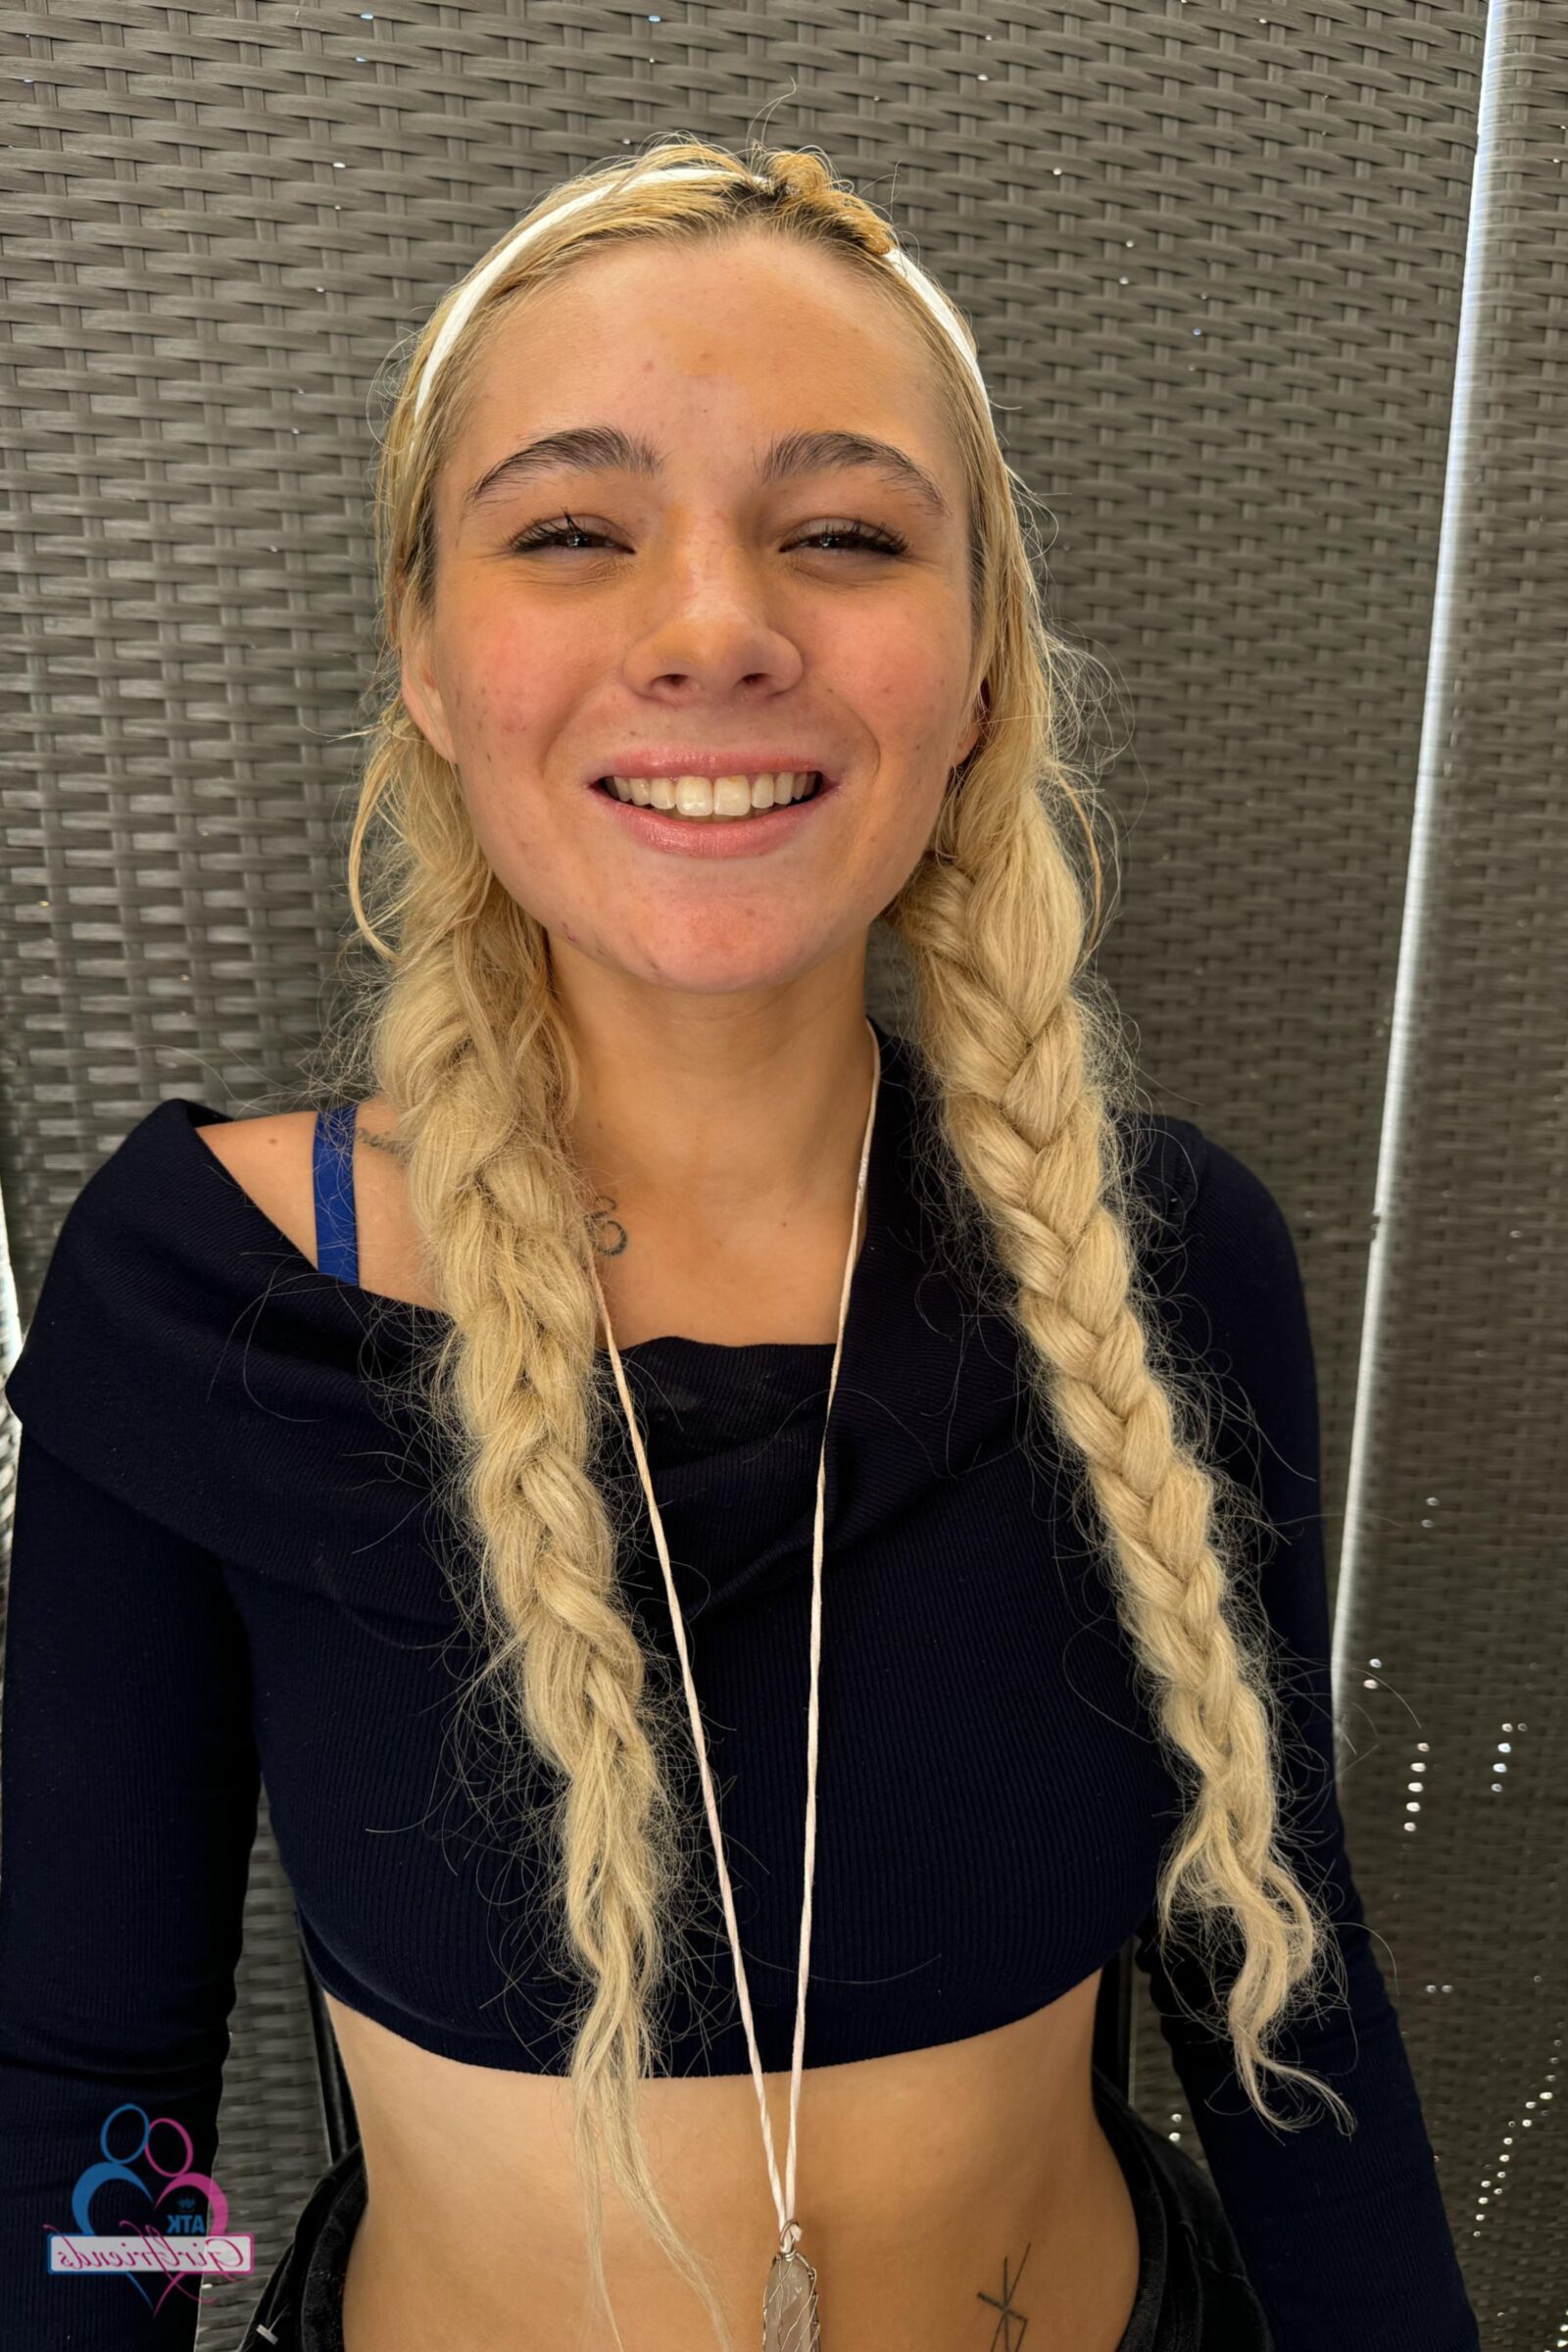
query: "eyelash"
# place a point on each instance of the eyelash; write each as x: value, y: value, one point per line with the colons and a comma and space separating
x: 867, y: 536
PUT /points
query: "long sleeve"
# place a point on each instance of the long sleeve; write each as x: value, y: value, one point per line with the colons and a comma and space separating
x: 1345, y: 2238
x: 129, y: 1785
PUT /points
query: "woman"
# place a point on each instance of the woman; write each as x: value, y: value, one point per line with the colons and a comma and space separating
x: 333, y: 1459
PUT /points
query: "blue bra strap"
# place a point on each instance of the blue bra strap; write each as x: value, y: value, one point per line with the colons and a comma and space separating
x: 336, y: 1240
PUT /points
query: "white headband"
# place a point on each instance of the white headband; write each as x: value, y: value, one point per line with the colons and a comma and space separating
x: 456, y: 318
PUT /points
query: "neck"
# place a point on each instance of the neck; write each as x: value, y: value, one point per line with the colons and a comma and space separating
x: 713, y: 1108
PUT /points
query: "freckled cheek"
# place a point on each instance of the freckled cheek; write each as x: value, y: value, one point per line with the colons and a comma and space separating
x: 513, y: 708
x: 501, y: 708
x: 518, y: 813
x: 527, y: 838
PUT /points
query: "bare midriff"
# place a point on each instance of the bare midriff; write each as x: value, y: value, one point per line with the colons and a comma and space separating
x: 948, y: 2198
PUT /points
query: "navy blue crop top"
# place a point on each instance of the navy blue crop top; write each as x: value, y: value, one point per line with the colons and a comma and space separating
x: 225, y: 1565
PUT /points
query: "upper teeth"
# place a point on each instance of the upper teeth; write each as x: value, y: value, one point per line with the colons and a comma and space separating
x: 714, y: 796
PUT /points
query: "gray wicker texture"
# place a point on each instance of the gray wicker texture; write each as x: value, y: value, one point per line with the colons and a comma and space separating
x: 1300, y: 418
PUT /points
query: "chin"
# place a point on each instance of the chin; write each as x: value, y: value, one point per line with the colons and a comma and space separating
x: 720, y: 970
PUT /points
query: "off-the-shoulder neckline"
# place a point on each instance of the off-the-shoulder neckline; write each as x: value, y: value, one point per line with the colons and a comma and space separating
x: 809, y: 1357
x: 436, y: 1318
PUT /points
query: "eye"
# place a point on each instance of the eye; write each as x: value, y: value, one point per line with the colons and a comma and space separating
x: 871, y: 537
x: 866, y: 538
x: 551, y: 534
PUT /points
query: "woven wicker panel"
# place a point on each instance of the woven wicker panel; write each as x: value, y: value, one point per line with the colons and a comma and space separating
x: 1217, y: 265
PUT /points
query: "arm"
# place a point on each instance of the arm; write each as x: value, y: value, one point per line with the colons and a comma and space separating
x: 128, y: 1787
x: 1345, y: 2239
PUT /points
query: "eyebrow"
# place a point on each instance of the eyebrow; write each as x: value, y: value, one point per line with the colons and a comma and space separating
x: 605, y: 448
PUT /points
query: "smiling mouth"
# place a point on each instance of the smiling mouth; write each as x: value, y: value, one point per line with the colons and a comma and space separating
x: 704, y: 800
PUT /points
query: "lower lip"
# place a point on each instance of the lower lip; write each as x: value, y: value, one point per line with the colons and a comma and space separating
x: 719, y: 836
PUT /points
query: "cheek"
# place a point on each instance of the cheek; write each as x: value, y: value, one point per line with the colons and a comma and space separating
x: 522, y: 838
x: 903, y: 673
x: 901, y: 820
x: 500, y: 681
x: 526, y: 837
x: 504, y: 694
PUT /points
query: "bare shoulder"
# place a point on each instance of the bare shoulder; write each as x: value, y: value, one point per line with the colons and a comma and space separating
x: 271, y: 1157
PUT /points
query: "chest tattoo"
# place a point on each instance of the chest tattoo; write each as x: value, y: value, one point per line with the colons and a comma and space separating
x: 605, y: 1216
x: 610, y: 1244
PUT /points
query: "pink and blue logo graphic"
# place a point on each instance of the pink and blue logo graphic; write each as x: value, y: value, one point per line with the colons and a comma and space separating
x: 175, y: 2230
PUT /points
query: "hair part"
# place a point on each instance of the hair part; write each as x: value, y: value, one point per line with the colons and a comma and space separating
x: 456, y: 1024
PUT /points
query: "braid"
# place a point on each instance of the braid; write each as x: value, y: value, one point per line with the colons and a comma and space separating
x: 505, y: 1219
x: 1026, y: 1069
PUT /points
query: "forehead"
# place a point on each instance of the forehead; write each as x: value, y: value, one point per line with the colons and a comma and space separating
x: 748, y: 350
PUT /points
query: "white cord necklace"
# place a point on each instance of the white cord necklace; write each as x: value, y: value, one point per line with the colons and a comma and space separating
x: 789, y: 2304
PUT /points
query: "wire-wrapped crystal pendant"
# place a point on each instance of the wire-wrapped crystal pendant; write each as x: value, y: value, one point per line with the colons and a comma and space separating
x: 789, y: 2307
